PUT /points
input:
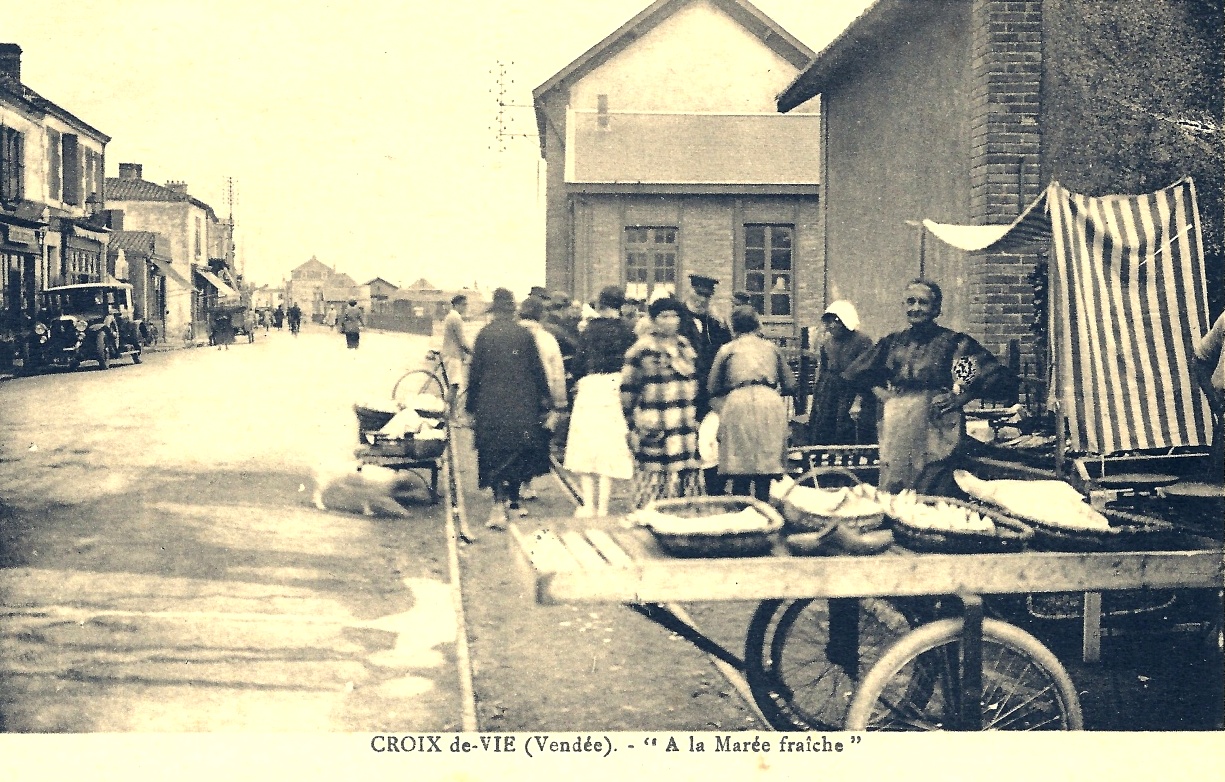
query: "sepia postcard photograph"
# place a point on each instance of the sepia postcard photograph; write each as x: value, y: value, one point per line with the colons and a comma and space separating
x: 690, y: 388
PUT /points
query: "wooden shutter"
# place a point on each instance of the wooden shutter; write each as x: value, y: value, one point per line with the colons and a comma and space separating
x: 54, y: 177
x: 12, y: 164
x: 72, y: 169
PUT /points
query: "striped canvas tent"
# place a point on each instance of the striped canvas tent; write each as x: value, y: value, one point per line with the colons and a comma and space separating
x: 1128, y: 300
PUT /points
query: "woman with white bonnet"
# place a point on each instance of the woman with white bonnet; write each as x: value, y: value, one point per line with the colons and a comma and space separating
x: 840, y: 416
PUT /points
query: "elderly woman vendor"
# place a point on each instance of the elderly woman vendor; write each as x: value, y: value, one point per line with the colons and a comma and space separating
x: 925, y: 374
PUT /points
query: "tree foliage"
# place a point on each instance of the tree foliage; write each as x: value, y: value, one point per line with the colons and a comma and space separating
x: 1132, y: 101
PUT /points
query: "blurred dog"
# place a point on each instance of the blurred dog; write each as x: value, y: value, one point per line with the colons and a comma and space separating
x: 367, y: 490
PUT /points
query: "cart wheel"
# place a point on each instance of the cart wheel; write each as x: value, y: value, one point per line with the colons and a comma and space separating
x: 915, y: 686
x: 418, y: 381
x: 787, y: 659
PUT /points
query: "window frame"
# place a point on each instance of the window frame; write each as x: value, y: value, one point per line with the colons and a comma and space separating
x: 652, y: 265
x: 763, y: 299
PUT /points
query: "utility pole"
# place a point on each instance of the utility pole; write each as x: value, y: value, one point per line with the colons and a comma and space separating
x: 504, y: 121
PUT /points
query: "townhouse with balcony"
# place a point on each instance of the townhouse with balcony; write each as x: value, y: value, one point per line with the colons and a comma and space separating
x: 51, y: 196
x: 666, y: 157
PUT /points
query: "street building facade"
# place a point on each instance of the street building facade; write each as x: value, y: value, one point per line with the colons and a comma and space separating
x: 51, y: 195
x: 194, y: 236
x: 962, y: 111
x: 666, y: 157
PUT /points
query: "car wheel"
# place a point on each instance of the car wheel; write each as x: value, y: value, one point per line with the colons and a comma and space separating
x: 100, y: 350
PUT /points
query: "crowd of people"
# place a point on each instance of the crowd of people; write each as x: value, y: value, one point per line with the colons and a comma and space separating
x: 667, y: 396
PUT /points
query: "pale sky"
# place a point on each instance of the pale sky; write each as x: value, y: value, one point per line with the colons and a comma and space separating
x: 360, y: 132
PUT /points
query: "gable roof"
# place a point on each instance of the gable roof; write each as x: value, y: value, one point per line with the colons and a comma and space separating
x: 854, y: 43
x: 32, y: 101
x: 313, y: 263
x: 380, y: 279
x: 774, y: 37
x: 141, y: 242
x: 122, y: 189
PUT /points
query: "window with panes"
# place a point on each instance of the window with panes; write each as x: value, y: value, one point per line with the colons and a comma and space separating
x: 650, y: 261
x: 768, y: 269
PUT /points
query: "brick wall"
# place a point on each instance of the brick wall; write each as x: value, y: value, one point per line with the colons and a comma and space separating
x: 1005, y: 158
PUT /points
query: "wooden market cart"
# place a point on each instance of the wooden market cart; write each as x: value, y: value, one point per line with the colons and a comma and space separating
x: 863, y: 645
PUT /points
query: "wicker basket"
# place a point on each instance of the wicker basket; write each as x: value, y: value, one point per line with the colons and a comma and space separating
x: 801, y: 520
x: 1128, y: 532
x: 370, y: 419
x: 1009, y: 535
x: 720, y: 544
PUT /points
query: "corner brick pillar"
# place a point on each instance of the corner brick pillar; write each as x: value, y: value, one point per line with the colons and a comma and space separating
x: 1004, y: 170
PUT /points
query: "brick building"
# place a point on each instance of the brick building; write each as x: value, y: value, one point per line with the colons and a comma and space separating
x: 962, y: 111
x: 666, y: 157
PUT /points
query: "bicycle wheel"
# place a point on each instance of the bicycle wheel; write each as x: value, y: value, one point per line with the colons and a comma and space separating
x: 916, y: 685
x: 416, y: 382
x: 801, y: 681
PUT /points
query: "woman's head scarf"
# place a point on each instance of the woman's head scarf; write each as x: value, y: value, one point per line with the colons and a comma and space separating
x: 845, y: 312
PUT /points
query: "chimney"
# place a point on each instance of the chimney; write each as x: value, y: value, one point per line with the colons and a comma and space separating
x: 178, y: 187
x: 10, y: 60
x: 131, y: 171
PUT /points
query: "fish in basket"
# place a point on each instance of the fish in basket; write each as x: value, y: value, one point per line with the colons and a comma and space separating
x: 1062, y: 520
x: 812, y: 509
x: 711, y: 526
x: 949, y: 526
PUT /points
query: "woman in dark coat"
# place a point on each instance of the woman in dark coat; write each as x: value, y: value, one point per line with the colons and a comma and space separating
x: 508, y: 397
x: 835, y: 418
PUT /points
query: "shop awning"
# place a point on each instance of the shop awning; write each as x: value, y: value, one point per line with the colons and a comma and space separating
x: 1033, y: 226
x: 216, y: 282
x: 167, y: 270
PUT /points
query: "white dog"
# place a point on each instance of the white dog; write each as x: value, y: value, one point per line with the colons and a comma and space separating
x: 351, y: 487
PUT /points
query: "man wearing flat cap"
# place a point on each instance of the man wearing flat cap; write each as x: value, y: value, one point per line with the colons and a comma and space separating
x: 705, y: 331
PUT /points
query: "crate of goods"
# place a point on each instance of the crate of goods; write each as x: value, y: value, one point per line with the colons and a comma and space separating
x: 711, y: 526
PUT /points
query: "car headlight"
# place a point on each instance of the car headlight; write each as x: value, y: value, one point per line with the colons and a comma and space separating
x: 80, y: 324
x: 40, y: 329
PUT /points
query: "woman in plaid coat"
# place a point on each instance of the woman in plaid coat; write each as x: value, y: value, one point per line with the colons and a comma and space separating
x: 659, y: 387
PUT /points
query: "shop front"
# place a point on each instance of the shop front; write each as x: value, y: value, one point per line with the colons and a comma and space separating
x: 20, y: 254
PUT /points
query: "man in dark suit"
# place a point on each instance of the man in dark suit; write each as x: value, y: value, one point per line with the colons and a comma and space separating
x: 704, y: 330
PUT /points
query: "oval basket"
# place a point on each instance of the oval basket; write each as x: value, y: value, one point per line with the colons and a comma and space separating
x: 1009, y: 535
x: 1128, y: 532
x: 800, y: 520
x: 717, y: 544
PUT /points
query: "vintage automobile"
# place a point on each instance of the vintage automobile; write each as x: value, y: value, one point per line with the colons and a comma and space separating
x: 86, y: 322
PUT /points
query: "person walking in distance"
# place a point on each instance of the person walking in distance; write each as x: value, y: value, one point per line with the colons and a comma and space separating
x: 596, y: 449
x: 351, y: 323
x: 456, y: 348
x: 294, y: 316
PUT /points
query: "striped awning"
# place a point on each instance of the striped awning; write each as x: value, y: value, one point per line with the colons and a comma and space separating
x: 1128, y: 300
x: 224, y: 290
